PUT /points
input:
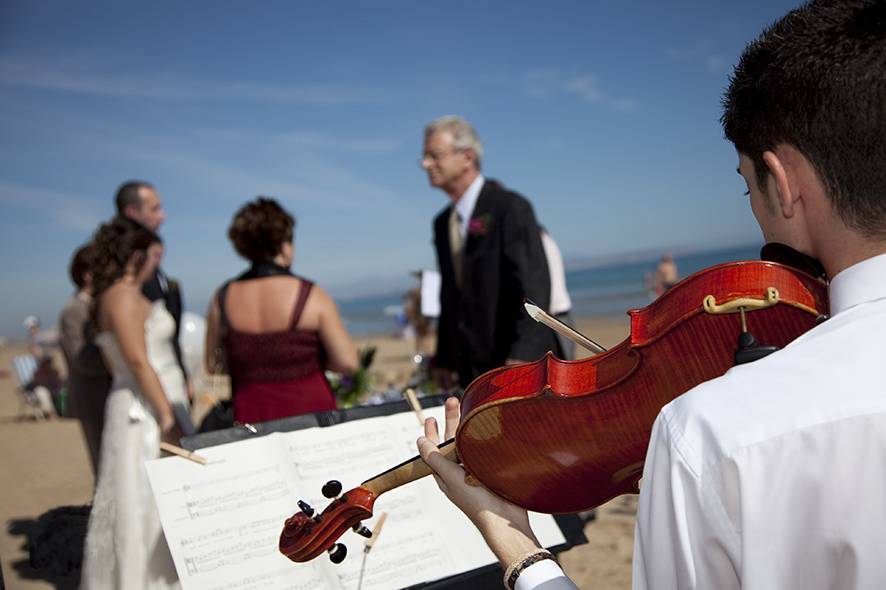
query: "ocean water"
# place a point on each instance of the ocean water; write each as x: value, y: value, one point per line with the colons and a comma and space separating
x: 606, y: 290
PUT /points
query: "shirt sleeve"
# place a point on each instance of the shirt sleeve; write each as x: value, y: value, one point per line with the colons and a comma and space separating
x: 72, y: 334
x: 683, y: 538
x: 544, y: 575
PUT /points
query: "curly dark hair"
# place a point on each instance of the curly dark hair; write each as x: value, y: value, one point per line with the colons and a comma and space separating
x: 260, y: 228
x: 115, y: 242
x: 816, y: 79
x: 81, y: 264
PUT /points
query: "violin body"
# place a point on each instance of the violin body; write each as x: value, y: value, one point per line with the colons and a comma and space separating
x: 560, y: 436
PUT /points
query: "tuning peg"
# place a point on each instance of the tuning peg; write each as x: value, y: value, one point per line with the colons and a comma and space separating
x: 362, y: 530
x: 306, y: 508
x: 337, y: 553
x: 309, y: 512
x: 332, y: 489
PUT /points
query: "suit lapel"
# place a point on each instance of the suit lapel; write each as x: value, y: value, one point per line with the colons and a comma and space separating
x: 479, y: 219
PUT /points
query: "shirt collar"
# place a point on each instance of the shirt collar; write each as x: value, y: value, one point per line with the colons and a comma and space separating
x: 466, y: 203
x: 862, y: 282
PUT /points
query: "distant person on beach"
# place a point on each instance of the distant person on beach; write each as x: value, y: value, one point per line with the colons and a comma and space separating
x: 490, y: 258
x: 39, y: 341
x: 139, y: 201
x: 125, y: 546
x: 88, y: 380
x: 273, y: 332
x: 561, y: 303
x: 665, y: 275
x: 421, y: 325
x: 773, y: 475
x: 46, y: 382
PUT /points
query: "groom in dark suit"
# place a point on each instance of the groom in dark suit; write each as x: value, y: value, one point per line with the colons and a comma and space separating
x: 490, y: 257
x: 138, y: 201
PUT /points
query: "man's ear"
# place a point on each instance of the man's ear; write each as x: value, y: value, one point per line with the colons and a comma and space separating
x: 471, y: 156
x: 785, y: 190
x: 132, y: 212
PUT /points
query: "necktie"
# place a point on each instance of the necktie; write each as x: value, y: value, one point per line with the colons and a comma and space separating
x: 456, y: 244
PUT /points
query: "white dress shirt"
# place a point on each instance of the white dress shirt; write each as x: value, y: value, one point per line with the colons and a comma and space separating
x: 774, y: 475
x: 560, y: 300
x: 466, y: 203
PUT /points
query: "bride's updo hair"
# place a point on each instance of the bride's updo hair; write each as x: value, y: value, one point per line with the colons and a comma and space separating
x: 115, y: 242
x: 260, y: 228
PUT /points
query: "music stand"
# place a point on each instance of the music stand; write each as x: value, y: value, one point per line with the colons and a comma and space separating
x: 487, y: 577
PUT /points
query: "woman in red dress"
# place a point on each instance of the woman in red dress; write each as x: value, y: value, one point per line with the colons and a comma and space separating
x: 274, y: 332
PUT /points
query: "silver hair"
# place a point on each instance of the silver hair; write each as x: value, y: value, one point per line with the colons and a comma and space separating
x: 463, y: 135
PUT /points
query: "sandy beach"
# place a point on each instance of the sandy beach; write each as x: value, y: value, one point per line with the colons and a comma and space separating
x: 44, y: 465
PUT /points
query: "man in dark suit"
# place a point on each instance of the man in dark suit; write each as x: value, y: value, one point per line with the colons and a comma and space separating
x: 490, y: 257
x: 138, y: 201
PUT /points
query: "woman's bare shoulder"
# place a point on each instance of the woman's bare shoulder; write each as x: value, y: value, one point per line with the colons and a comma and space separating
x: 319, y: 296
x: 124, y: 297
x: 123, y: 301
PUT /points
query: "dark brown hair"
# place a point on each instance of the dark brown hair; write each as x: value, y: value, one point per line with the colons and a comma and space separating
x: 128, y: 195
x: 816, y: 79
x: 260, y: 228
x: 81, y: 264
x: 115, y: 242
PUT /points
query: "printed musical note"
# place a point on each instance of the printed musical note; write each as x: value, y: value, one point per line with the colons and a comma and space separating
x: 223, y: 521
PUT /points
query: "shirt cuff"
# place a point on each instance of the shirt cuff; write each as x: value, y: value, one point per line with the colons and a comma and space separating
x: 541, y: 572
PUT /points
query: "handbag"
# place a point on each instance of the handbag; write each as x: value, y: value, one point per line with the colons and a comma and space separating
x: 219, y: 417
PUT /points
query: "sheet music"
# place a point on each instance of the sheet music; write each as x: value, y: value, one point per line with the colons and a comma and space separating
x: 223, y: 520
x: 430, y: 293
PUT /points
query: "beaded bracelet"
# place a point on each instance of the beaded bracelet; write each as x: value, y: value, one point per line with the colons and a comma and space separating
x: 516, y: 568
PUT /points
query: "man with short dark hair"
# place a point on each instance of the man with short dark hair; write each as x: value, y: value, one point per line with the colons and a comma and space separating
x: 773, y: 475
x: 138, y: 201
x: 490, y: 256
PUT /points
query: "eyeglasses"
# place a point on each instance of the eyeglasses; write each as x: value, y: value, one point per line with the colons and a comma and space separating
x: 434, y: 158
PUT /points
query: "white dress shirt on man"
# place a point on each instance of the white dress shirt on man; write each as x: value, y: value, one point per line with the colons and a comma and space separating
x: 774, y: 475
x: 466, y: 203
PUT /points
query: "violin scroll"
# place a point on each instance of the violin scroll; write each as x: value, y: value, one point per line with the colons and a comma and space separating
x: 307, y: 534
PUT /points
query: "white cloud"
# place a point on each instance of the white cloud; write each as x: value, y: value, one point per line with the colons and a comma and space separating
x: 700, y: 54
x: 67, y: 210
x: 290, y: 164
x: 585, y: 87
x: 543, y: 84
x: 93, y: 78
x: 303, y: 140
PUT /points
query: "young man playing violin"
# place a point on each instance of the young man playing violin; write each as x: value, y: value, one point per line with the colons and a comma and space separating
x: 773, y: 475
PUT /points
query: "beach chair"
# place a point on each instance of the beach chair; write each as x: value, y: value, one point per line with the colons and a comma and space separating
x: 30, y: 406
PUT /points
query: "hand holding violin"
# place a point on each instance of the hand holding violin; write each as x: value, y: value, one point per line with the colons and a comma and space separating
x: 559, y: 436
x: 504, y: 526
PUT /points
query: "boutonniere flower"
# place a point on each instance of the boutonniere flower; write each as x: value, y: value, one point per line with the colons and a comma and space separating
x: 479, y: 226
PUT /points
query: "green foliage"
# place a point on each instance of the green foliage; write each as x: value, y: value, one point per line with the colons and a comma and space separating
x: 350, y: 389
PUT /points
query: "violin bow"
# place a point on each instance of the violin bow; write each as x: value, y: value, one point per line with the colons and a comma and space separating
x: 541, y: 316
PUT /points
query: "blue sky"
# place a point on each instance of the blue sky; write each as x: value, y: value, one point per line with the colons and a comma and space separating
x: 605, y: 114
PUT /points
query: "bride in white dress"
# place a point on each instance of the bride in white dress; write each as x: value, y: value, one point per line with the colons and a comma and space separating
x: 125, y: 547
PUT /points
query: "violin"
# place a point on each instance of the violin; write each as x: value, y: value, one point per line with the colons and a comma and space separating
x: 559, y: 436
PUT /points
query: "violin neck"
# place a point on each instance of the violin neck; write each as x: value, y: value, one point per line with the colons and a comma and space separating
x: 407, y: 471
